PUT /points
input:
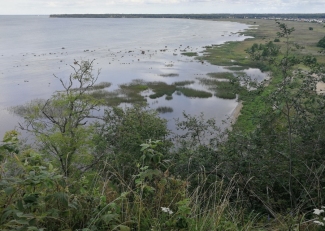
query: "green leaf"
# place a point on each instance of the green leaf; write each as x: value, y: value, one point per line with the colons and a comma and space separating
x: 21, y: 222
x: 9, y: 190
x: 61, y: 197
x: 107, y: 218
x: 20, y: 205
x: 50, y: 167
x: 6, y: 215
x: 30, y: 199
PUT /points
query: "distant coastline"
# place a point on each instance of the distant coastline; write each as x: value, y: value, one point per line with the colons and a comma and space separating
x: 317, y: 17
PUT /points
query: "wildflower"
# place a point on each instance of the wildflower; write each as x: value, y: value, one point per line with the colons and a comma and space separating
x: 167, y: 210
x: 318, y: 211
x: 319, y: 223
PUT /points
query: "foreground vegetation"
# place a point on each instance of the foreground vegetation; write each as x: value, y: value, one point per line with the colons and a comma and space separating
x: 123, y: 170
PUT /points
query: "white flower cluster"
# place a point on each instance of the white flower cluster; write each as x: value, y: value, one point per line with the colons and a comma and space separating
x: 318, y: 212
x: 167, y: 210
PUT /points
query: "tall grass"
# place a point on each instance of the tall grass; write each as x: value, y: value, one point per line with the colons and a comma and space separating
x: 110, y: 197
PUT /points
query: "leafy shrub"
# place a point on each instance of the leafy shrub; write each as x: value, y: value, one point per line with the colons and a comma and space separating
x: 321, y: 43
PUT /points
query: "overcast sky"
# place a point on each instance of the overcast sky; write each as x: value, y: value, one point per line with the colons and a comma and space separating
x: 159, y: 6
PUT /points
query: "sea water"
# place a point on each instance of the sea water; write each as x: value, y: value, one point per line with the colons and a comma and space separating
x: 35, y: 48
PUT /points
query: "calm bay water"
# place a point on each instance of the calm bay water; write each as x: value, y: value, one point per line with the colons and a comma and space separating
x: 34, y: 48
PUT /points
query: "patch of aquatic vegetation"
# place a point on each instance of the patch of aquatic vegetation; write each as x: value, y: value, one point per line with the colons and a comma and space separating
x: 183, y: 83
x: 236, y: 68
x: 160, y: 89
x: 131, y: 92
x: 193, y: 93
x: 133, y: 87
x: 102, y: 94
x: 231, y: 54
x: 222, y: 75
x: 170, y: 75
x: 190, y: 54
x: 164, y: 109
x: 226, y: 90
x: 107, y: 97
x: 99, y: 86
x: 209, y: 82
x: 223, y: 89
x: 127, y: 93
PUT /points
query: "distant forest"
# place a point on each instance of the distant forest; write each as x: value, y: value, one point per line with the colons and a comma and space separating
x: 192, y: 16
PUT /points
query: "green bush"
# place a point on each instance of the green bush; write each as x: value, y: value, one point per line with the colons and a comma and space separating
x: 321, y: 43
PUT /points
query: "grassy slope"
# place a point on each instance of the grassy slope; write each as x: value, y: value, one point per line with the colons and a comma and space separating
x: 265, y: 30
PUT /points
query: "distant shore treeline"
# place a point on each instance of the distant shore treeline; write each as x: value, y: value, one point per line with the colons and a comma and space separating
x: 193, y: 16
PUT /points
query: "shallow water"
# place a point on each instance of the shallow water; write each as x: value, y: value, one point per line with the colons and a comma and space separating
x: 33, y: 48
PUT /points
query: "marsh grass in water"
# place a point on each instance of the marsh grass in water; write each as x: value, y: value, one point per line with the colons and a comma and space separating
x: 236, y: 68
x: 127, y: 93
x: 131, y: 93
x: 223, y: 89
x: 184, y: 83
x: 170, y: 75
x: 99, y: 86
x: 231, y: 54
x: 160, y: 89
x: 136, y: 88
x: 164, y: 109
x: 189, y: 92
x: 189, y: 54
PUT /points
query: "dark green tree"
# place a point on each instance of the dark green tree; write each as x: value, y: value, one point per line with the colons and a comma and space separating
x: 61, y: 123
x: 125, y: 130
